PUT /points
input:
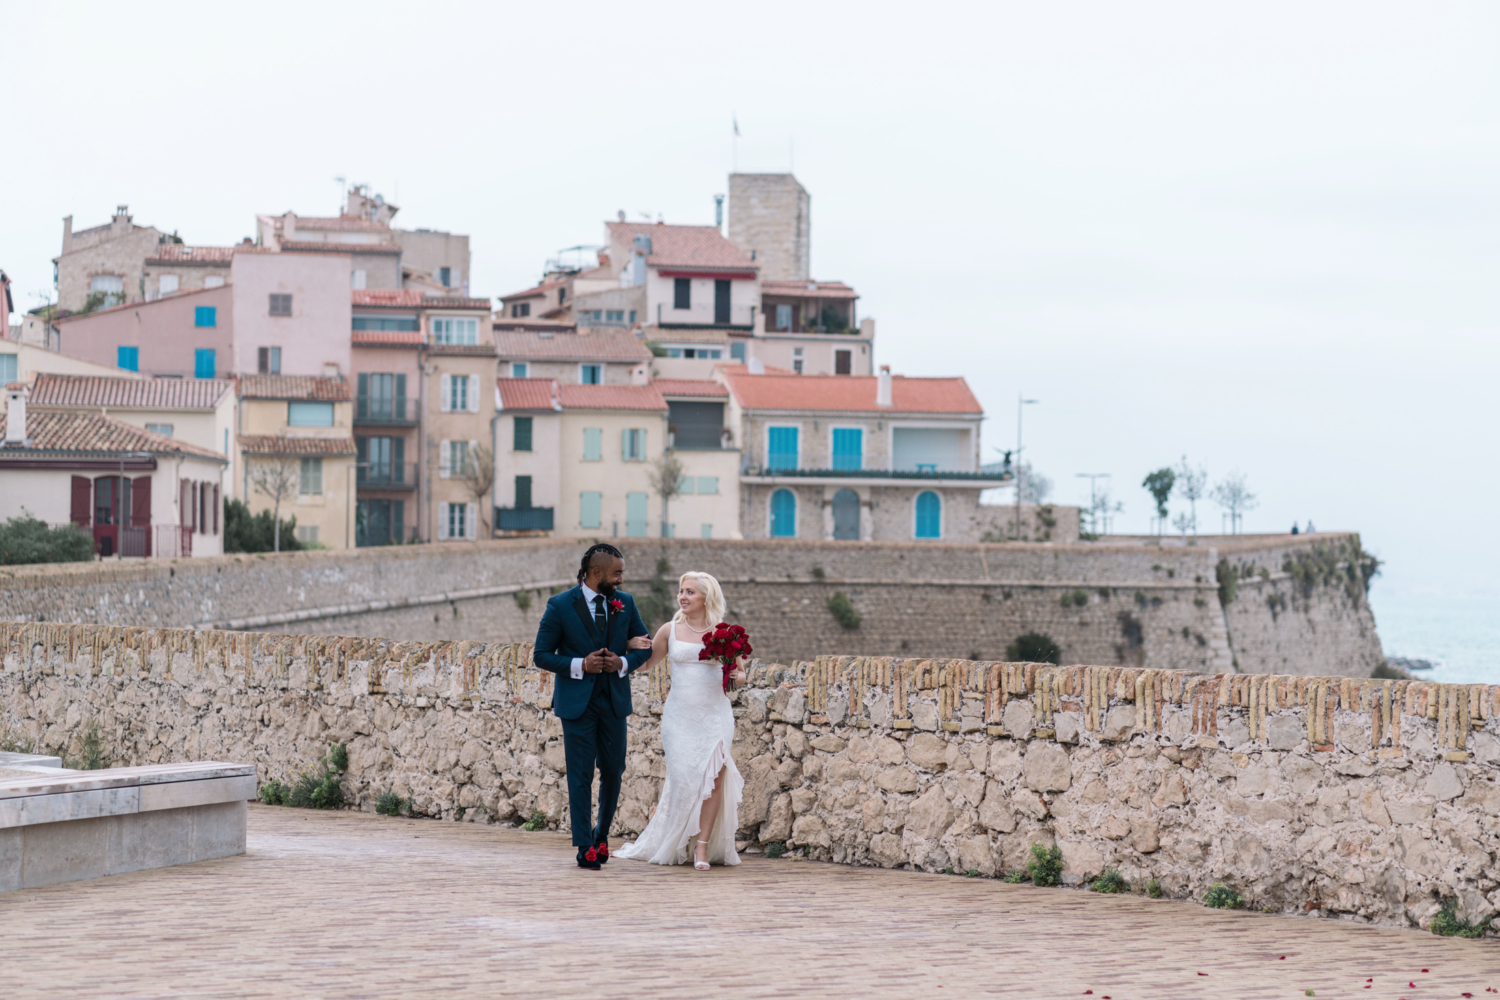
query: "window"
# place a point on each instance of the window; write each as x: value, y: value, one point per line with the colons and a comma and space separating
x: 635, y: 515
x: 589, y: 510
x: 632, y: 315
x: 708, y: 531
x: 783, y: 514
x: 455, y: 520
x: 312, y: 476
x: 523, y: 492
x: 685, y: 485
x: 593, y: 444
x: 160, y: 429
x: 307, y: 534
x: 112, y: 285
x: 518, y: 369
x: 166, y: 284
x: 203, y: 362
x: 597, y: 315
x: 737, y: 350
x: 357, y: 278
x: 843, y: 362
x: 300, y: 413
x: 268, y: 360
x: 721, y: 300
x: 214, y: 281
x: 848, y: 448
x: 455, y: 330
x: 381, y: 397
x: 281, y: 305
x: 783, y: 317
x: 614, y: 315
x: 591, y: 374
x: 781, y: 448
x: 385, y: 323
x: 633, y: 444
x: 682, y: 293
x: 8, y: 368
x: 520, y: 439
x: 797, y: 360
x: 460, y: 394
x: 128, y: 358
x: 443, y: 273
x: 454, y: 459
x: 697, y: 426
x: 708, y: 484
x: 205, y: 316
x: 519, y: 311
x: 562, y: 295
x: 929, y: 515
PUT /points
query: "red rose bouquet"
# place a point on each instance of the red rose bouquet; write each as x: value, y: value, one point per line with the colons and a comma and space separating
x: 726, y: 643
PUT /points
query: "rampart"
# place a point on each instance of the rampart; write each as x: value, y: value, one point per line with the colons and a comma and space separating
x: 1289, y: 605
x: 1366, y: 799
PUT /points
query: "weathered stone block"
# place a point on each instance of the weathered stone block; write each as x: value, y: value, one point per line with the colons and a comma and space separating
x: 778, y: 824
x: 928, y: 751
x: 1284, y: 732
x: 930, y: 815
x: 889, y: 751
x: 924, y: 716
x: 1119, y: 723
x: 1046, y: 768
x: 995, y: 812
x: 1444, y: 783
x: 1017, y: 719
x: 896, y: 779
x: 827, y: 744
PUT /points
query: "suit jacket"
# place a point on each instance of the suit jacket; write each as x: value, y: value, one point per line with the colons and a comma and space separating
x: 567, y: 630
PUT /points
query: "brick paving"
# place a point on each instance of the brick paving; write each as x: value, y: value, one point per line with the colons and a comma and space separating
x: 347, y: 905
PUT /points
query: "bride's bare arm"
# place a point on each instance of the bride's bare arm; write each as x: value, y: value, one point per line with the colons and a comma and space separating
x: 658, y: 646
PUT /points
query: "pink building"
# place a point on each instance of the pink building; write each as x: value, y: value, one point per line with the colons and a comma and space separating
x: 188, y: 335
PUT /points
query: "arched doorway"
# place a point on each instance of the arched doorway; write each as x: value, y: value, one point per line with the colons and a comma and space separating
x: 929, y: 515
x: 783, y: 514
x: 846, y: 515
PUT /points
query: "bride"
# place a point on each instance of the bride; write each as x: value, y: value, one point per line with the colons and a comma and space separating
x: 700, y: 798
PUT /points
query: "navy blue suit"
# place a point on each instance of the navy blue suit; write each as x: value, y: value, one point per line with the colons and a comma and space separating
x: 593, y: 710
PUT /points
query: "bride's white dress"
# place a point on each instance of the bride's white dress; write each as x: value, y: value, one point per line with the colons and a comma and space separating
x: 697, y: 733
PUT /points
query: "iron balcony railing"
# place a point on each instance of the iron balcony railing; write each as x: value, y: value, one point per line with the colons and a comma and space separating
x: 920, y: 473
x: 523, y: 518
x: 386, y: 475
x: 386, y: 410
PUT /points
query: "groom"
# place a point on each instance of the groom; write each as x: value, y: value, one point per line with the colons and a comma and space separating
x: 582, y: 639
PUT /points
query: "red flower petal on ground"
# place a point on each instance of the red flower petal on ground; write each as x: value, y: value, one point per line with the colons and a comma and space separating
x: 1202, y: 973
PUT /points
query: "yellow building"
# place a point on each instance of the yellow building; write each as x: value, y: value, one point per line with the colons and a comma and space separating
x: 459, y: 394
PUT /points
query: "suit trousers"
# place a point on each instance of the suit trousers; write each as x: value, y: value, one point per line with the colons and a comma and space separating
x: 597, y: 737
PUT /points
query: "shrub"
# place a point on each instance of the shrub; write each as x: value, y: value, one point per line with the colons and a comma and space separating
x: 523, y: 600
x: 320, y: 789
x: 1153, y: 889
x: 273, y: 793
x: 843, y: 611
x: 1221, y: 897
x: 775, y: 849
x: 1447, y: 923
x: 91, y: 748
x: 26, y: 540
x: 1033, y: 647
x: 1015, y: 878
x: 1046, y: 864
x: 538, y: 821
x: 246, y: 532
x: 1110, y: 881
x: 972, y: 873
x: 1229, y: 582
x: 389, y: 804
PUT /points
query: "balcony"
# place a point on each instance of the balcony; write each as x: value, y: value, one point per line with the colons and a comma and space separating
x: 386, y: 476
x: 386, y: 411
x: 523, y: 518
x: 923, y: 474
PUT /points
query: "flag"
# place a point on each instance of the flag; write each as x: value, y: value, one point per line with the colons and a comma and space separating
x: 736, y: 126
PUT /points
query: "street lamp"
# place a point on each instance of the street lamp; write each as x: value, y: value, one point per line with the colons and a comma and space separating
x: 1021, y: 401
x: 1093, y: 478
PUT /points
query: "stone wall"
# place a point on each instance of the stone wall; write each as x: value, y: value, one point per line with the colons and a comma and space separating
x: 1364, y: 799
x: 1125, y: 604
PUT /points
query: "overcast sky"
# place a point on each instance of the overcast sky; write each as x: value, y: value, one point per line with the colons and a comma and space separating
x: 1265, y: 238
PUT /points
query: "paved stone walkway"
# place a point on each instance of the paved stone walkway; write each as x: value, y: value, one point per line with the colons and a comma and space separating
x: 347, y: 905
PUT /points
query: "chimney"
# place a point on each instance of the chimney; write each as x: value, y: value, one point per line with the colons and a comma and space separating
x: 289, y: 226
x: 718, y: 211
x: 640, y: 250
x: 15, y: 415
x: 757, y: 366
x: 330, y: 369
x: 867, y: 328
x: 67, y: 233
x: 121, y: 221
x: 883, y: 387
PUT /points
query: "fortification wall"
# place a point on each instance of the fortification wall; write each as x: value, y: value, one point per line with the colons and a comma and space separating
x: 1125, y: 604
x: 1369, y: 800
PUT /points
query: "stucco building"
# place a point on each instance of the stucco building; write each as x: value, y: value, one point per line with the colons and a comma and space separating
x: 458, y: 417
x: 107, y: 262
x: 295, y: 439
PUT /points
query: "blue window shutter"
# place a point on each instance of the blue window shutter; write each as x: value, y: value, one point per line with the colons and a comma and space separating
x: 781, y: 448
x: 128, y: 358
x: 203, y: 362
x: 206, y: 316
x: 783, y: 514
x: 929, y: 515
x: 848, y: 448
x: 589, y: 510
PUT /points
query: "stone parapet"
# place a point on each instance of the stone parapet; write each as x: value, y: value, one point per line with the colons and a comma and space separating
x: 1369, y: 799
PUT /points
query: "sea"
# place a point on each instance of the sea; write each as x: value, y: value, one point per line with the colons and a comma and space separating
x: 1459, y: 633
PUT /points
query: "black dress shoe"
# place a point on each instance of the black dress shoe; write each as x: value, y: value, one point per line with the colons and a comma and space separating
x: 589, y: 859
x: 602, y: 851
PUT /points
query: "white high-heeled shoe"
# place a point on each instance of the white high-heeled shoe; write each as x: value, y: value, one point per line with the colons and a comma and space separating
x: 701, y: 866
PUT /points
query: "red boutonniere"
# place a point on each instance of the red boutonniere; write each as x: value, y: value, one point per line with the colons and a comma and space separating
x: 617, y: 606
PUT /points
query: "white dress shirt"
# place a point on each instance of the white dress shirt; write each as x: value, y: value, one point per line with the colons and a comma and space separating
x: 588, y: 598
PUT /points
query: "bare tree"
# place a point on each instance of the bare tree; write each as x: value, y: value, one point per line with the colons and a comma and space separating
x: 277, y: 479
x: 479, y: 478
x: 1234, y: 496
x: 1102, y: 510
x: 1183, y: 523
x: 1035, y: 487
x: 666, y: 481
x: 1191, y: 483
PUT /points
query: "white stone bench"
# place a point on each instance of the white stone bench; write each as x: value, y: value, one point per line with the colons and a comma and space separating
x: 61, y: 825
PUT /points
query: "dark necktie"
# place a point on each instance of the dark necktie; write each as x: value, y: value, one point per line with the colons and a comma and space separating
x: 599, y: 613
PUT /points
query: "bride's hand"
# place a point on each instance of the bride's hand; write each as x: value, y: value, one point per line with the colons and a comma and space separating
x: 639, y: 642
x: 737, y: 675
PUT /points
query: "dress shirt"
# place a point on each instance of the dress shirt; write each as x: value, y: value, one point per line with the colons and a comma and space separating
x: 588, y: 598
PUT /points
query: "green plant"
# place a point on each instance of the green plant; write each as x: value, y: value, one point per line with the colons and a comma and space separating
x: 91, y: 748
x: 1033, y: 647
x: 26, y: 540
x: 246, y: 532
x: 1159, y: 484
x: 1447, y: 923
x: 458, y: 817
x: 775, y: 849
x: 273, y: 793
x: 972, y: 873
x: 843, y: 610
x: 1110, y: 881
x: 948, y: 870
x: 1153, y: 889
x: 1015, y: 878
x: 1078, y: 597
x: 538, y: 821
x: 1046, y: 864
x: 657, y: 351
x: 389, y: 804
x: 1221, y: 897
x: 320, y: 789
x: 1229, y: 582
x: 818, y: 574
x: 523, y: 599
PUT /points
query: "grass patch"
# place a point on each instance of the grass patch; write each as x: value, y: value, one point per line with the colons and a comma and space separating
x: 1016, y: 878
x: 1153, y: 889
x: 1110, y: 881
x: 1221, y: 897
x: 389, y: 804
x: 775, y: 849
x: 538, y: 821
x: 1447, y: 923
x: 1046, y: 864
x: 316, y: 789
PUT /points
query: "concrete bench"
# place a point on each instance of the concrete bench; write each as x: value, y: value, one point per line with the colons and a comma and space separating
x: 61, y: 825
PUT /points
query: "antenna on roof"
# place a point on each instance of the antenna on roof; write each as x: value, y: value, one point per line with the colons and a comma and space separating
x: 340, y: 181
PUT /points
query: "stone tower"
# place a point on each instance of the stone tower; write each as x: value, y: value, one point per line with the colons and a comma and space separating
x: 770, y: 217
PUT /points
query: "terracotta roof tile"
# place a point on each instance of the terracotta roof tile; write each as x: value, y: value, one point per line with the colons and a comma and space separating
x: 462, y: 350
x: 335, y: 224
x: 63, y: 391
x: 533, y: 324
x: 271, y: 445
x: 600, y: 345
x: 315, y: 387
x: 611, y: 397
x: 387, y: 338
x: 685, y: 335
x: 528, y: 394
x: 178, y: 253
x: 67, y: 432
x: 684, y: 246
x: 319, y: 246
x: 808, y: 289
x: 851, y: 393
x: 411, y: 298
x: 690, y: 387
x: 533, y: 292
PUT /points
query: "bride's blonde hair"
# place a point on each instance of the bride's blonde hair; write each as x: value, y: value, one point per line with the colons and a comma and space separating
x: 713, y: 597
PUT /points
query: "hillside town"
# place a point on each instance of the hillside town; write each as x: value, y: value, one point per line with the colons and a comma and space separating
x: 341, y: 376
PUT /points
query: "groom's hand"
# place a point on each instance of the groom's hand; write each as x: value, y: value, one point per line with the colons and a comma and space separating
x: 595, y: 662
x: 612, y: 660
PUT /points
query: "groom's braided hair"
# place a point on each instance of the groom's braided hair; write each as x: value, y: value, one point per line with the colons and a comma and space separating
x: 588, y: 557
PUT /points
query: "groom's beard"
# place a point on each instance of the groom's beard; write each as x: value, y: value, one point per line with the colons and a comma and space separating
x: 606, y: 588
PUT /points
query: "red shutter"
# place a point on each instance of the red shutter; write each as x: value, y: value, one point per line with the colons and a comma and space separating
x: 83, y: 501
x: 140, y: 501
x: 217, y: 505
